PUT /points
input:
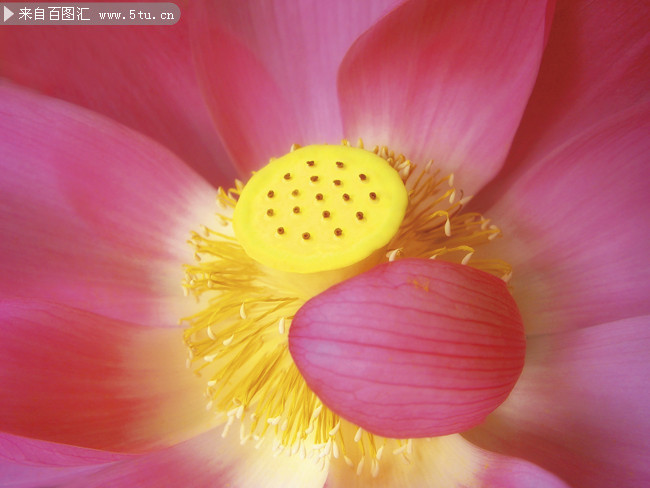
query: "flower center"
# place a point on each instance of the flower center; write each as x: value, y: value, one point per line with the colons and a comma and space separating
x: 320, y: 208
x: 305, y: 222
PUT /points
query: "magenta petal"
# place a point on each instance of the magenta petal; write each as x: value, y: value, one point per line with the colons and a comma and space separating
x: 143, y: 78
x: 14, y: 475
x: 94, y: 215
x: 595, y: 64
x: 575, y: 227
x: 510, y: 472
x: 41, y: 453
x: 449, y: 462
x: 445, y: 80
x: 580, y: 408
x: 414, y: 348
x: 248, y: 108
x: 82, y: 379
x: 269, y: 70
x: 27, y: 463
x: 209, y: 461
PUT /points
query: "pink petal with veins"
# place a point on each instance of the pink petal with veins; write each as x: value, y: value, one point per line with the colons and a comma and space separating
x: 143, y: 78
x: 595, y: 65
x: 209, y: 461
x: 575, y: 227
x: 269, y: 70
x: 446, y: 80
x: 82, y: 379
x: 26, y: 463
x: 445, y: 462
x: 580, y: 408
x: 414, y: 348
x: 93, y: 215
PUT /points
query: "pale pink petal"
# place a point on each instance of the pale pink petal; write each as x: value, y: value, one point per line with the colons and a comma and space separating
x: 93, y: 215
x: 510, y: 472
x: 446, y: 80
x: 575, y: 228
x: 414, y: 348
x: 83, y: 379
x: 209, y: 461
x: 27, y: 463
x: 41, y: 453
x: 595, y: 65
x: 141, y: 77
x: 581, y: 406
x: 445, y: 462
x: 269, y: 70
x: 20, y: 476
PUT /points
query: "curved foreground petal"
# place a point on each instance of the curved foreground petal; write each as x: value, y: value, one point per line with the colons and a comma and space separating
x: 413, y: 348
x: 269, y: 70
x: 575, y: 227
x: 446, y: 462
x: 83, y: 379
x: 445, y: 80
x: 580, y: 407
x: 141, y: 77
x: 94, y: 215
x: 209, y: 461
x: 27, y: 463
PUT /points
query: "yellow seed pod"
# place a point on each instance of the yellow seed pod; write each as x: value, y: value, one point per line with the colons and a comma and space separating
x: 319, y: 208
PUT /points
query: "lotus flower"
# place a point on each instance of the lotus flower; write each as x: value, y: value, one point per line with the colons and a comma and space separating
x: 114, y: 142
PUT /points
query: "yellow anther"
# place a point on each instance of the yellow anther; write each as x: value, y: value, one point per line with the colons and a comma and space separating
x: 320, y: 208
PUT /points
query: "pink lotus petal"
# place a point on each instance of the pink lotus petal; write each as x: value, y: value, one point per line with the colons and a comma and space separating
x: 143, y: 78
x: 83, y: 379
x: 414, y: 348
x: 19, y: 476
x: 580, y: 408
x: 41, y: 453
x: 510, y: 472
x: 575, y: 227
x: 446, y: 462
x: 209, y: 461
x: 93, y: 214
x: 27, y: 463
x: 445, y: 80
x: 269, y: 70
x: 595, y: 65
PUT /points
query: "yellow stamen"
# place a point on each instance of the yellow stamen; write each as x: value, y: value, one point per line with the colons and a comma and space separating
x: 238, y: 341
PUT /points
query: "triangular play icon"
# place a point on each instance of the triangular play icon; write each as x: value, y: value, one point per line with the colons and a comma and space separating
x: 8, y: 14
